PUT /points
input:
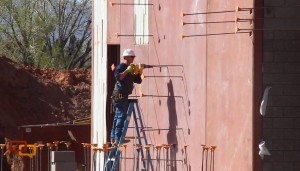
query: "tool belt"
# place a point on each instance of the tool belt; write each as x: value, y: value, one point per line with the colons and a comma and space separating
x: 117, y: 95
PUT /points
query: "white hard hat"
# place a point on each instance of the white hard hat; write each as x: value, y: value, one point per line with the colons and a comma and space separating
x: 128, y: 52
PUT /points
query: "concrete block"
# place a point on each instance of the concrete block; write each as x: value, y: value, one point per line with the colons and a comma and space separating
x: 268, y: 56
x: 292, y: 111
x: 286, y: 12
x: 275, y: 156
x: 292, y: 90
x: 283, y: 166
x: 62, y: 156
x: 63, y: 166
x: 273, y: 2
x: 286, y: 101
x: 292, y: 156
x: 267, y: 122
x: 291, y: 3
x: 297, y: 122
x: 282, y: 56
x: 267, y: 166
x: 273, y: 134
x: 283, y: 122
x: 275, y: 111
x: 282, y: 145
x: 273, y: 67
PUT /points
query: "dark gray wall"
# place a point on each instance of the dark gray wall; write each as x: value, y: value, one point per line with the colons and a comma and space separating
x: 281, y: 70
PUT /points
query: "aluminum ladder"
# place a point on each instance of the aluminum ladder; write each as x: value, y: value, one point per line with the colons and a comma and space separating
x: 114, y: 156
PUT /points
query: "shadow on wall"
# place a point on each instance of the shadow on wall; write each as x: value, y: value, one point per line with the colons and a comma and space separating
x: 171, y: 135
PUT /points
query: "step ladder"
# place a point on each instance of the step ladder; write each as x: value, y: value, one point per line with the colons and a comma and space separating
x: 114, y: 156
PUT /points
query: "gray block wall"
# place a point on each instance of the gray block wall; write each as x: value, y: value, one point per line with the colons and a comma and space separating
x: 281, y: 70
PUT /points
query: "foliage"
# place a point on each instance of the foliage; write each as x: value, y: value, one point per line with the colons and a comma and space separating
x: 46, y: 33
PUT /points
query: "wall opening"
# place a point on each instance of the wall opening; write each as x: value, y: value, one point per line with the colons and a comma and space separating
x: 113, y: 59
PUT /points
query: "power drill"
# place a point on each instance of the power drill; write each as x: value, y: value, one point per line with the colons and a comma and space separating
x: 138, y: 68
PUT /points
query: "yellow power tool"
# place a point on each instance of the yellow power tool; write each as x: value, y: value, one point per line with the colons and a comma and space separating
x: 138, y: 68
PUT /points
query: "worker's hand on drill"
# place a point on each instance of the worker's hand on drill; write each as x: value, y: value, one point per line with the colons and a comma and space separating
x: 129, y: 68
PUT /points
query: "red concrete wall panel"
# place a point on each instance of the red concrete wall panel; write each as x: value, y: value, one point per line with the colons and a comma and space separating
x: 229, y: 87
x: 114, y: 20
x: 205, y: 87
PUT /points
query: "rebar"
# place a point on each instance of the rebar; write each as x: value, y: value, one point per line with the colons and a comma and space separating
x: 115, y: 3
x: 158, y: 148
x: 2, y: 151
x: 212, y: 162
x: 84, y: 156
x: 203, y: 145
x: 138, y: 148
x: 167, y: 147
x: 49, y: 148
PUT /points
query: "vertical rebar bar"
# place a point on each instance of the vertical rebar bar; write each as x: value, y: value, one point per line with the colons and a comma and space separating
x: 212, y: 148
x: 138, y: 148
x: 147, y: 147
x: 2, y: 151
x: 88, y: 156
x: 41, y: 146
x: 30, y: 160
x: 203, y: 146
x: 125, y: 146
x: 84, y: 155
x: 158, y: 148
x: 167, y: 147
x: 49, y: 148
x: 206, y: 156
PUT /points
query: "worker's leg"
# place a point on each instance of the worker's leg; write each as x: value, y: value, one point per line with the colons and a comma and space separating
x: 112, y: 133
x: 120, y: 115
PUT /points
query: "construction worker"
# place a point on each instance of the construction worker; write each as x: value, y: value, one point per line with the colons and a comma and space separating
x: 123, y: 88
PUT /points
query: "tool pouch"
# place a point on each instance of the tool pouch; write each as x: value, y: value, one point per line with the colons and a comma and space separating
x: 117, y: 95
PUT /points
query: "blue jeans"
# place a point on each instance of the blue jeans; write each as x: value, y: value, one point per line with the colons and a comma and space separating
x: 119, y: 119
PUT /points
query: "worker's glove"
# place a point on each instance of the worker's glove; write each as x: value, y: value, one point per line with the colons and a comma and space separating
x: 129, y: 68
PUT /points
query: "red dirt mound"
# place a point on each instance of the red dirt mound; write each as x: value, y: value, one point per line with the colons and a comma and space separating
x: 41, y: 96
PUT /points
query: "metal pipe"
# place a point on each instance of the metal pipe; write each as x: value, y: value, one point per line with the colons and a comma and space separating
x: 147, y: 147
x: 88, y: 156
x: 212, y: 149
x: 30, y: 160
x: 2, y: 151
x: 36, y: 157
x: 213, y: 34
x: 211, y: 12
x: 138, y: 149
x: 278, y: 29
x: 114, y: 3
x: 203, y: 145
x: 162, y: 129
x: 158, y: 148
x: 133, y: 35
x: 206, y: 149
x: 49, y: 147
x: 206, y: 22
x: 167, y: 147
x: 125, y: 146
x: 56, y: 145
x: 84, y: 155
x: 41, y: 147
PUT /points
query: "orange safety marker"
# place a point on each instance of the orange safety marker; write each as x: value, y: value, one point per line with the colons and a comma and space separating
x: 31, y: 146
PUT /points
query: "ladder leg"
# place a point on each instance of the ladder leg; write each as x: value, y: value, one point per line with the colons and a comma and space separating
x: 143, y: 132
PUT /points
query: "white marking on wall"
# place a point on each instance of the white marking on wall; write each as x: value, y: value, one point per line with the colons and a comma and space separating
x: 99, y: 88
x: 141, y: 14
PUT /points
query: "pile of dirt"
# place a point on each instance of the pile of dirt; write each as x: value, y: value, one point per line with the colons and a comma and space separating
x: 31, y: 96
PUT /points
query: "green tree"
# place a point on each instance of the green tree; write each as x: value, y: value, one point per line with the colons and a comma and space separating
x: 46, y: 33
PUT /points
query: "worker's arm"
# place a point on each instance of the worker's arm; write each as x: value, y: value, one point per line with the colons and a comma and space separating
x: 123, y: 74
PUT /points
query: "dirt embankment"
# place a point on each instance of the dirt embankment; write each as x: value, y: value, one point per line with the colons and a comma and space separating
x: 40, y: 96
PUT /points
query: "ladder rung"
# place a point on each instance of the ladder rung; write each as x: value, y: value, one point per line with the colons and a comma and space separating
x: 134, y: 137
